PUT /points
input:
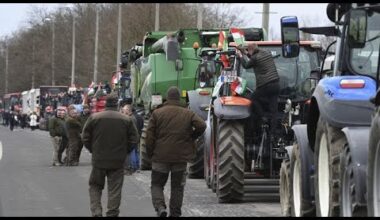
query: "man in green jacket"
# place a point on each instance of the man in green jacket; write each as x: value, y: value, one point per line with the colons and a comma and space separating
x: 171, y: 132
x: 58, y: 135
x: 108, y: 135
x: 74, y: 129
x: 83, y: 118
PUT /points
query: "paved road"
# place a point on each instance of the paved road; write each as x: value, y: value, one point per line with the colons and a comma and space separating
x: 30, y: 186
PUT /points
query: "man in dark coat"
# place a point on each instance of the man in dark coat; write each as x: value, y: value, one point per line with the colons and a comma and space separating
x: 83, y: 118
x: 171, y: 132
x: 58, y: 135
x: 108, y: 135
x: 73, y: 129
x: 265, y: 98
x: 12, y: 120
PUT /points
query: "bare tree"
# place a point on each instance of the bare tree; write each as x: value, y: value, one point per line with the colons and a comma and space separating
x: 315, y: 21
x: 137, y: 20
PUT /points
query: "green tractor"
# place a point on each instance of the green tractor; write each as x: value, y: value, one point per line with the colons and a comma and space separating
x: 185, y: 59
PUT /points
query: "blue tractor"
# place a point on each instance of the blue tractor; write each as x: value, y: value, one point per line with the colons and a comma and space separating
x: 327, y: 164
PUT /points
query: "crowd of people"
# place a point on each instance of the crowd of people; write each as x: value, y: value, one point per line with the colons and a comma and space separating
x: 14, y: 119
x: 64, y: 98
x: 112, y: 137
x: 65, y: 129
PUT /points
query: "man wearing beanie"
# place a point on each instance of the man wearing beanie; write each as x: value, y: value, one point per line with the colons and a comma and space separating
x: 108, y: 135
x: 171, y: 132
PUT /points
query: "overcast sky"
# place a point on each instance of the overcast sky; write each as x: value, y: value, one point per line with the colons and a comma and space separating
x: 13, y: 16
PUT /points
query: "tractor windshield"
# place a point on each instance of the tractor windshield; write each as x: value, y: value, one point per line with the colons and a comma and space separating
x: 366, y: 60
x: 294, y: 72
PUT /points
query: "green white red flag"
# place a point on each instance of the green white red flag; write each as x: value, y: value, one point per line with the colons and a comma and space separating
x: 238, y: 36
x: 223, y: 44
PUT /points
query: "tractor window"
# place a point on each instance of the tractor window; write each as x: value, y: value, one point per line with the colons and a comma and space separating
x: 365, y: 60
x: 294, y: 72
x: 248, y: 75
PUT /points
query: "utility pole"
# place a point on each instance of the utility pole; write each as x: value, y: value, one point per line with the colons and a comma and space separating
x: 265, y: 21
x: 157, y: 20
x: 118, y: 40
x: 265, y: 17
x: 6, y: 68
x: 33, y: 70
x: 96, y: 47
x: 200, y: 16
x: 73, y: 55
x: 52, y: 48
x: 52, y: 57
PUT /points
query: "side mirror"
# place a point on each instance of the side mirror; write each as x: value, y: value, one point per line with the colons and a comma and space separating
x: 178, y: 65
x: 290, y: 37
x: 172, y: 49
x: 357, y: 28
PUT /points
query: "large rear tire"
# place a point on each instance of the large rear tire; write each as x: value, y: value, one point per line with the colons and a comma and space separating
x: 300, y: 206
x: 329, y: 144
x: 230, y: 161
x: 284, y: 188
x: 373, y: 174
x: 196, y: 170
x: 145, y: 162
x: 348, y: 194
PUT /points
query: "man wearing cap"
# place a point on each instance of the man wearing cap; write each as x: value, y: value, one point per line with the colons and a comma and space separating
x: 265, y: 98
x: 83, y: 118
x: 58, y: 135
x: 171, y: 132
x: 108, y: 135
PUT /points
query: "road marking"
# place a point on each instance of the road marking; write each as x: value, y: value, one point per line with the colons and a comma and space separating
x: 1, y: 150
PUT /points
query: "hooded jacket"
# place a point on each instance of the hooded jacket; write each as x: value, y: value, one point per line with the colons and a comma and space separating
x: 108, y: 135
x: 171, y: 133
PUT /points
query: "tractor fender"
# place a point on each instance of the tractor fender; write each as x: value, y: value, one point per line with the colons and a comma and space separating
x: 198, y: 103
x: 289, y: 150
x: 230, y: 111
x: 344, y: 107
x: 358, y: 139
x: 300, y: 132
x: 307, y: 155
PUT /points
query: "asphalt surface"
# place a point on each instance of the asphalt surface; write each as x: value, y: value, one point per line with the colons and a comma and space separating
x: 31, y: 186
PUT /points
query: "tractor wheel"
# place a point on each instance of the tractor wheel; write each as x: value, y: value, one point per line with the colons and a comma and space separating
x: 206, y: 166
x: 145, y: 162
x: 329, y: 144
x: 214, y: 182
x: 196, y: 165
x: 284, y: 188
x: 300, y: 207
x: 373, y: 174
x: 230, y: 161
x: 348, y: 193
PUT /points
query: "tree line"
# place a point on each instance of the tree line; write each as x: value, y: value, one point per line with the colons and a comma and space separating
x: 30, y: 48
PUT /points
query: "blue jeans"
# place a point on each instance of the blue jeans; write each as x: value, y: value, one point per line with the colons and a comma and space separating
x: 132, y: 159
